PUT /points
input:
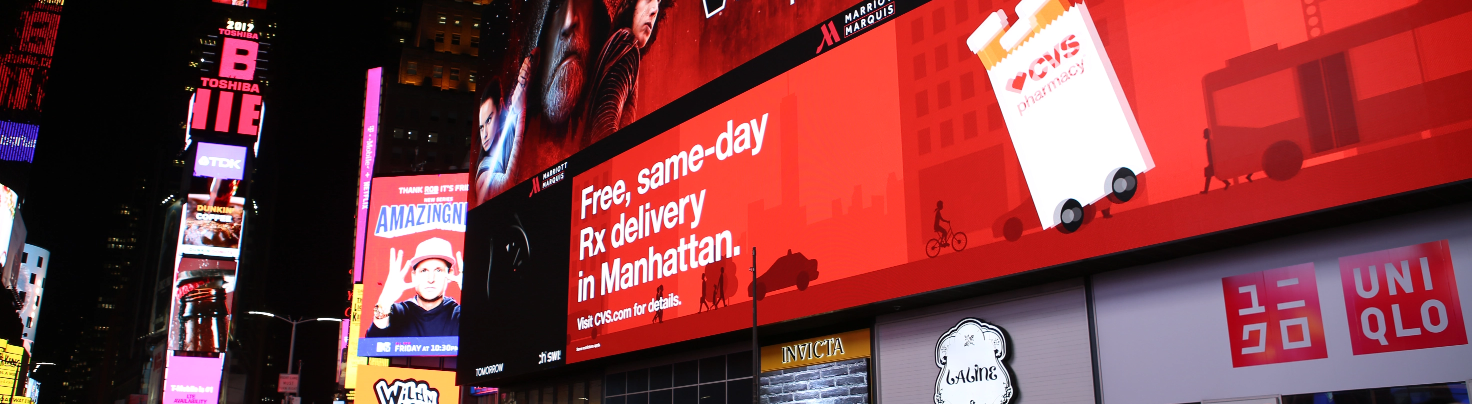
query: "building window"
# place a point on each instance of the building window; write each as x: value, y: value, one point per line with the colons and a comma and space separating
x: 439, y: 37
x: 457, y: 22
x: 475, y: 42
x: 434, y: 116
x: 398, y: 133
x: 454, y: 74
x: 413, y: 135
x: 455, y: 39
x: 476, y: 24
x: 413, y: 68
x: 432, y: 138
x: 472, y: 76
x: 33, y: 279
x: 439, y: 71
x: 442, y: 18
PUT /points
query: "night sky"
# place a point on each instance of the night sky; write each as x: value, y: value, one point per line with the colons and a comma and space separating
x: 114, y: 103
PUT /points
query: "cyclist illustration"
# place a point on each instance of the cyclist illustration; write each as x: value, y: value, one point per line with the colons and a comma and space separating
x: 941, y: 231
x: 947, y: 238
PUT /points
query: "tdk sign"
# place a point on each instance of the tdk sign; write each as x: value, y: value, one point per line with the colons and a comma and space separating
x: 219, y: 161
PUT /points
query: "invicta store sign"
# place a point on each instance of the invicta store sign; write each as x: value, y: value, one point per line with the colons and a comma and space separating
x: 970, y: 357
x: 813, y: 351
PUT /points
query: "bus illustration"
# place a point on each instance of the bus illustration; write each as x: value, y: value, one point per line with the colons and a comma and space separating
x: 1389, y: 80
x: 1072, y: 128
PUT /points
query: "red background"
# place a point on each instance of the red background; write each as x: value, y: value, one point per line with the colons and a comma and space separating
x: 1269, y: 295
x: 826, y: 183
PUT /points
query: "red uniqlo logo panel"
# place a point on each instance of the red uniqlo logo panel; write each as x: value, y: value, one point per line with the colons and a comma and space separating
x: 1401, y: 299
x: 1273, y: 316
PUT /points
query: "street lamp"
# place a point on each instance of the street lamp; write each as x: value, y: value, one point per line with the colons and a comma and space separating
x: 291, y: 352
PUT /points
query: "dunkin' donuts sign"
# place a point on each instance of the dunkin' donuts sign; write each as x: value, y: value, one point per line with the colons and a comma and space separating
x: 970, y: 357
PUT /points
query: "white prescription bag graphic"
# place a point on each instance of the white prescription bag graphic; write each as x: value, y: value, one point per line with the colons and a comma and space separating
x: 1075, y: 135
x: 971, y: 370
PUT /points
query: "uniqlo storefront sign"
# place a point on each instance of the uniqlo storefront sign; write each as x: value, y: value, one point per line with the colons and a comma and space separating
x: 1402, y: 299
x: 1391, y: 300
x: 1273, y: 316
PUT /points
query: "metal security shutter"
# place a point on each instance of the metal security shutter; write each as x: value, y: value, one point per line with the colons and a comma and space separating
x: 1047, y: 328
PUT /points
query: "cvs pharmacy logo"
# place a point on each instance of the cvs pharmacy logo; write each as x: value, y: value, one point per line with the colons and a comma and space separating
x: 221, y: 162
x: 1039, y: 68
x: 405, y: 392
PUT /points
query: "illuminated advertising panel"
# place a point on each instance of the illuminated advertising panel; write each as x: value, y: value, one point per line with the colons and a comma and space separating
x: 386, y: 385
x: 24, y: 67
x: 859, y: 185
x: 192, y: 380
x: 371, y: 98
x: 244, y: 3
x: 18, y: 141
x: 204, y: 291
x: 9, y: 202
x: 214, y: 208
x: 228, y: 99
x: 412, y: 270
x: 557, y: 93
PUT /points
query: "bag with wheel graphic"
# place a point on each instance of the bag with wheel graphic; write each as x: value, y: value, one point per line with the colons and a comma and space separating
x: 1074, y: 133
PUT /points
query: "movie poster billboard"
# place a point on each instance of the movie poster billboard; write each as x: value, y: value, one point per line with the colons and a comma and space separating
x: 214, y: 209
x: 393, y: 385
x: 948, y: 144
x: 558, y: 91
x: 192, y: 380
x: 412, y: 267
x: 204, y: 291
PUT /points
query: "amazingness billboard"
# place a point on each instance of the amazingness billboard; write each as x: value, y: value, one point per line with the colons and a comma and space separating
x: 192, y: 380
x: 386, y: 385
x: 939, y: 144
x: 412, y: 267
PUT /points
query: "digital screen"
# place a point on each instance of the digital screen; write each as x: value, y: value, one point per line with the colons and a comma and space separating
x: 938, y: 144
x: 386, y: 385
x: 25, y: 66
x: 192, y: 380
x: 9, y: 202
x: 558, y: 92
x: 228, y: 98
x: 371, y: 98
x: 220, y: 161
x: 412, y: 267
x: 18, y: 141
x: 214, y: 217
x: 261, y: 4
x: 204, y: 291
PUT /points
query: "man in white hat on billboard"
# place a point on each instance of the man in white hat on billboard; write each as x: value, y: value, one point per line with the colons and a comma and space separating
x: 428, y: 313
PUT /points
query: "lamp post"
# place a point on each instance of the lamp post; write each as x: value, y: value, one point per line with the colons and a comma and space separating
x: 291, y: 352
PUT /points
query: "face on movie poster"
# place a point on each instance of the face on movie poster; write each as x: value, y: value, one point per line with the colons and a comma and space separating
x: 411, y: 274
x: 561, y: 90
